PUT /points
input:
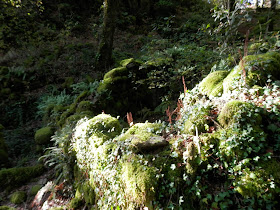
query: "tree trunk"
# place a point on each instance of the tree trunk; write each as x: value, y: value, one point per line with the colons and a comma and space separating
x: 231, y: 5
x: 104, y: 56
x: 272, y: 14
x: 273, y: 5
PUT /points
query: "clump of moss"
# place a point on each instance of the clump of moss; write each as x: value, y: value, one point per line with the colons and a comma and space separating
x: 145, y: 136
x: 262, y: 182
x: 84, y: 106
x: 104, y: 124
x: 143, y: 131
x: 43, y: 135
x: 125, y: 62
x: 212, y: 85
x: 117, y: 72
x: 257, y: 68
x: 18, y: 197
x: 232, y: 108
x: 14, y: 177
x: 140, y: 183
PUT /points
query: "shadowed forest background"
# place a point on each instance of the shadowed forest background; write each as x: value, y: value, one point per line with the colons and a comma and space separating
x: 135, y: 104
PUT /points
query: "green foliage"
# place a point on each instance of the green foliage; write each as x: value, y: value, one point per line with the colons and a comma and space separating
x: 60, y: 155
x: 17, y: 17
x: 83, y: 86
x: 50, y: 106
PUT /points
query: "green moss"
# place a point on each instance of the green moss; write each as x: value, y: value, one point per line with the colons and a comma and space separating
x: 18, y: 197
x: 62, y: 118
x: 140, y: 183
x: 125, y: 62
x: 257, y: 68
x: 142, y: 131
x: 81, y: 97
x: 34, y: 189
x: 232, y: 108
x: 76, y: 203
x: 84, y: 106
x: 111, y: 83
x: 1, y: 127
x: 14, y: 177
x: 73, y: 119
x: 117, y: 72
x: 192, y: 159
x: 43, y: 135
x: 197, y: 119
x: 104, y: 124
x: 262, y: 182
x: 6, y: 208
x: 212, y: 85
x: 95, y: 132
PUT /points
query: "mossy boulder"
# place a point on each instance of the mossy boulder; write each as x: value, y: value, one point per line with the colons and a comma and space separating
x: 43, y: 135
x: 145, y: 136
x: 14, y: 177
x: 120, y: 90
x: 140, y: 184
x: 18, y: 197
x: 234, y: 110
x: 90, y: 136
x: 212, y: 85
x: 257, y: 67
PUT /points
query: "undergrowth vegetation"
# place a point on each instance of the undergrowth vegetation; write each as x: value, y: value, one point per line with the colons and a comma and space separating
x: 203, y: 90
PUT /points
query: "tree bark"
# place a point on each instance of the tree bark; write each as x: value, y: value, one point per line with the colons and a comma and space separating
x: 273, y: 5
x: 231, y: 5
x: 104, y: 56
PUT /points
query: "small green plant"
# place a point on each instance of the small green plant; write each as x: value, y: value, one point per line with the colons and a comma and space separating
x: 47, y: 103
x: 60, y: 155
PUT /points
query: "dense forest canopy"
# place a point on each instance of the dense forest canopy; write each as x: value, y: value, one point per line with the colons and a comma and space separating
x: 139, y: 104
